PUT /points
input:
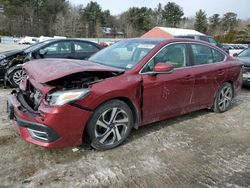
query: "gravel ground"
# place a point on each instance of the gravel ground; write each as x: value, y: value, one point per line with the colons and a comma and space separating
x: 200, y: 149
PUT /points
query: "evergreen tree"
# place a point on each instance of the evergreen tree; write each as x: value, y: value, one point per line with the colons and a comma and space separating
x: 201, y: 24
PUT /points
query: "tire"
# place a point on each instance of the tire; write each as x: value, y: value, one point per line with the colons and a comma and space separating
x: 110, y: 125
x: 16, y: 76
x: 223, y: 98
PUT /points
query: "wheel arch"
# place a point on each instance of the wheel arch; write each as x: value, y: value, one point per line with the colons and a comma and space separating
x: 232, y: 84
x: 135, y: 112
x: 11, y: 69
x: 213, y: 107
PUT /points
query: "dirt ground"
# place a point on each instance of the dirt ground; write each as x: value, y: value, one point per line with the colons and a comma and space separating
x: 200, y: 149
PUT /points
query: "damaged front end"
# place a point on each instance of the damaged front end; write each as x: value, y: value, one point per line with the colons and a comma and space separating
x: 74, y: 87
x: 44, y: 112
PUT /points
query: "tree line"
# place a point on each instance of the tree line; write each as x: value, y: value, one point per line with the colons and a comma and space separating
x: 60, y: 18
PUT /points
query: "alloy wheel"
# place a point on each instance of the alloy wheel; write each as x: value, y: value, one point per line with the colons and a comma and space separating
x: 18, y: 76
x: 225, y: 97
x: 111, y: 126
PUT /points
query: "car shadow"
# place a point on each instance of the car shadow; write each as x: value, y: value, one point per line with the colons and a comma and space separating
x: 154, y: 127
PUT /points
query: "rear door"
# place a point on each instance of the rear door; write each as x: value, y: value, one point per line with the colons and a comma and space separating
x: 209, y: 71
x: 166, y: 95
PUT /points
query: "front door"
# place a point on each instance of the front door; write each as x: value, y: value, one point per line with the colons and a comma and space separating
x: 169, y: 94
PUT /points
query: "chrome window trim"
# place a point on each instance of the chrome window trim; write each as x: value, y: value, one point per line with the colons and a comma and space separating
x: 224, y: 53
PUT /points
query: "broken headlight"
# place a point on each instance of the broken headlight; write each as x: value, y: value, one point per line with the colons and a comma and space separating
x: 59, y: 98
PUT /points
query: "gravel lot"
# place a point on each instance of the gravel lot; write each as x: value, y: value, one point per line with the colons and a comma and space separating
x: 200, y: 149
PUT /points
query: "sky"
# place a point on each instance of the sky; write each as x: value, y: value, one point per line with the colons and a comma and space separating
x: 190, y: 7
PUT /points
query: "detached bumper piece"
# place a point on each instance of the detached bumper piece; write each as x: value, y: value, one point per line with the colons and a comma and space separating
x: 38, y: 131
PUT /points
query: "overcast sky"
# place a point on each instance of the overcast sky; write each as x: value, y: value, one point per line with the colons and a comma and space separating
x: 241, y: 7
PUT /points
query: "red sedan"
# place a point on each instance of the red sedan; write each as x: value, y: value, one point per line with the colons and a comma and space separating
x: 132, y: 83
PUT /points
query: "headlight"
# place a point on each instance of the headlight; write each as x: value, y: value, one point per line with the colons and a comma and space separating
x: 59, y: 98
x: 3, y: 62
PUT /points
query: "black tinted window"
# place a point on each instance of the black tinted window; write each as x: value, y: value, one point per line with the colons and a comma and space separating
x: 204, y: 38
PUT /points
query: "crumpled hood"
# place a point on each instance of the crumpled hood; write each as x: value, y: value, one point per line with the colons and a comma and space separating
x: 45, y: 70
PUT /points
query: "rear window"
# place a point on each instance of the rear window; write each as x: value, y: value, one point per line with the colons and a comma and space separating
x: 187, y: 37
x: 205, y: 55
x: 204, y: 38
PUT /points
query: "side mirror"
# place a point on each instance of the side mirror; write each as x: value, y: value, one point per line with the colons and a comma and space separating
x: 235, y: 54
x: 42, y: 52
x: 163, y: 68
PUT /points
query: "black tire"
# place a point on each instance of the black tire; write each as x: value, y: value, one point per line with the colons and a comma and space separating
x: 223, y: 98
x: 16, y: 76
x: 110, y: 125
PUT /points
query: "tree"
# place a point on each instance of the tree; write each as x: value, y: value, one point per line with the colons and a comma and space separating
x: 201, y: 21
x: 229, y: 21
x: 157, y: 15
x: 172, y: 14
x: 214, y: 24
x: 92, y: 14
x: 32, y: 17
x: 139, y: 20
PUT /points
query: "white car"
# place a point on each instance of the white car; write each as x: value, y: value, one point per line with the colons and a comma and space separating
x: 28, y: 40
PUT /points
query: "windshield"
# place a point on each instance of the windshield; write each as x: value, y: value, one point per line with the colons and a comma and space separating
x: 245, y: 53
x: 36, y: 46
x: 124, y: 54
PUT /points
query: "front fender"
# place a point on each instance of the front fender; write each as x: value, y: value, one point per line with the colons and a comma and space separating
x: 11, y: 69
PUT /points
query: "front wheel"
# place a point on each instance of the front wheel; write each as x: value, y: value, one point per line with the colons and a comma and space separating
x: 223, y: 98
x: 110, y: 125
x: 16, y: 76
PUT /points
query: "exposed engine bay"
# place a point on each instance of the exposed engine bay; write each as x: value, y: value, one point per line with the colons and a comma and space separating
x: 81, y: 80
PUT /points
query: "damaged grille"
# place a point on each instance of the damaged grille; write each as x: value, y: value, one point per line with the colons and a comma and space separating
x: 32, y: 97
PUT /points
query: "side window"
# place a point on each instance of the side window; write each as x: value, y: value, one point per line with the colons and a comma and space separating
x: 217, y: 56
x: 212, y: 41
x: 204, y: 38
x: 201, y: 54
x: 84, y: 47
x: 58, y: 48
x: 175, y: 54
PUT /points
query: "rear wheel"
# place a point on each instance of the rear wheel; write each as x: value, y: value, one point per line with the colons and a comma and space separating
x: 110, y: 125
x: 223, y: 98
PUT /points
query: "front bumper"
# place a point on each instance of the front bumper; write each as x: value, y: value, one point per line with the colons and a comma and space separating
x: 51, y: 127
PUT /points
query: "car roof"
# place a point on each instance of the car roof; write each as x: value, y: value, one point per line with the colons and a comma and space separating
x: 72, y: 39
x: 164, y: 41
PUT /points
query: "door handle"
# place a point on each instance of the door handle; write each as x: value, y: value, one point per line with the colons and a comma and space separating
x: 221, y: 72
x: 188, y: 77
